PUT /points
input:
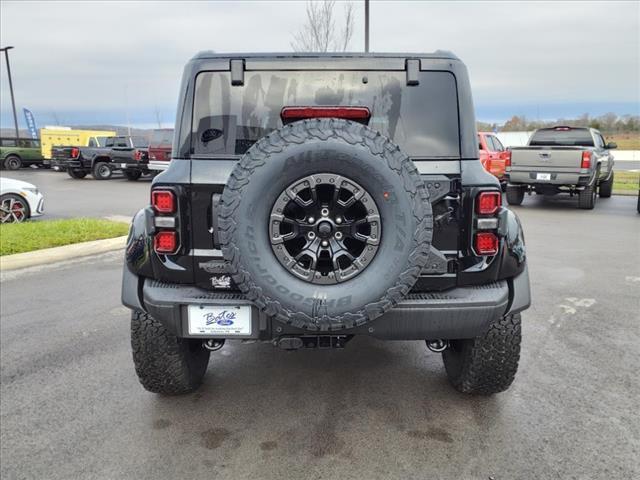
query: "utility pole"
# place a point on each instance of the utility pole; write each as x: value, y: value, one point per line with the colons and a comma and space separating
x: 366, y: 26
x: 13, y: 102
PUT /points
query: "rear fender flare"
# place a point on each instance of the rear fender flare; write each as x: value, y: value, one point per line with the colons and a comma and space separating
x: 514, y: 252
x: 139, y: 249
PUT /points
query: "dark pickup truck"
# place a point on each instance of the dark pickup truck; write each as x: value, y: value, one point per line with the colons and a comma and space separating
x: 61, y: 153
x: 312, y: 198
x: 129, y: 154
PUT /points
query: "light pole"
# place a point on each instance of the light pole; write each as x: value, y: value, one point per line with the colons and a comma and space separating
x: 366, y: 25
x: 13, y: 102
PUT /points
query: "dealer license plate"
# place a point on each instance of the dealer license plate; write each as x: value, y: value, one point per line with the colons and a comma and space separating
x: 219, y: 320
x: 543, y: 176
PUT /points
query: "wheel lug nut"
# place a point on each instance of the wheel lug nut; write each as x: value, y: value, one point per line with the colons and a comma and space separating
x: 338, y: 220
x: 338, y: 235
x: 311, y: 235
x: 325, y: 243
x: 324, y: 212
x: 311, y: 219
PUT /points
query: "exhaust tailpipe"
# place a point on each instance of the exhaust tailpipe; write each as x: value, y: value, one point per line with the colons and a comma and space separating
x: 213, y: 344
x: 438, y: 345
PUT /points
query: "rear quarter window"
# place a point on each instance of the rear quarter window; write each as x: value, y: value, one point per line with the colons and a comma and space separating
x: 422, y: 119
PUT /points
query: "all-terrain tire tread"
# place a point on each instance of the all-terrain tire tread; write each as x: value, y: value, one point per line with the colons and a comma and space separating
x: 488, y: 363
x: 164, y: 363
x: 354, y: 134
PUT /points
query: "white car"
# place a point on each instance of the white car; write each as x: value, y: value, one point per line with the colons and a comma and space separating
x: 19, y: 200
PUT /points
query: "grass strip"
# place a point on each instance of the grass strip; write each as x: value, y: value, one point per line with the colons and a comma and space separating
x: 36, y: 235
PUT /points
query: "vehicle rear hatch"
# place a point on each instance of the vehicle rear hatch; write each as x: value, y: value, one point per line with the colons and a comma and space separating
x: 417, y: 108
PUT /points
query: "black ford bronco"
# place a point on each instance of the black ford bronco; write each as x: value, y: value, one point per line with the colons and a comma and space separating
x: 314, y: 197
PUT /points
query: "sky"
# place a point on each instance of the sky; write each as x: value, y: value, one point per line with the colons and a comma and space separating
x: 121, y: 62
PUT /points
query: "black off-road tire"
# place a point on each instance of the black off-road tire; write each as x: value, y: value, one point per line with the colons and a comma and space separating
x: 587, y: 197
x: 132, y: 175
x: 102, y: 171
x: 606, y: 187
x: 515, y: 195
x: 76, y: 174
x: 165, y: 363
x: 12, y: 162
x: 487, y: 364
x: 337, y: 147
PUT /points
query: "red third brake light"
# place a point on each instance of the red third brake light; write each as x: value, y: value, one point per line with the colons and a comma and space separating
x: 165, y: 242
x: 486, y: 243
x: 488, y: 203
x: 586, y: 160
x: 163, y: 201
x: 289, y: 114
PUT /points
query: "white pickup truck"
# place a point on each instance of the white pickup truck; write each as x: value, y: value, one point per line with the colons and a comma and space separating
x: 562, y: 159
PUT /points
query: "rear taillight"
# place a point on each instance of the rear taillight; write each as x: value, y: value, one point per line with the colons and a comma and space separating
x: 163, y: 201
x: 290, y: 114
x: 488, y: 203
x: 140, y: 155
x: 486, y: 243
x: 75, y: 152
x: 486, y: 222
x: 165, y: 242
x: 586, y: 160
x: 507, y: 158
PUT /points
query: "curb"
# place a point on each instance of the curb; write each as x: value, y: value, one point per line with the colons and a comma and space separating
x: 59, y: 254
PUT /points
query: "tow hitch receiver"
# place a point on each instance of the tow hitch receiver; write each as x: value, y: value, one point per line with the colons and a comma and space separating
x: 315, y: 341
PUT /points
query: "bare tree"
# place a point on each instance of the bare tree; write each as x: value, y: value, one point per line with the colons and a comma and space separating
x: 319, y: 33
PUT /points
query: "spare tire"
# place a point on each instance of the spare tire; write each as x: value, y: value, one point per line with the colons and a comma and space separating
x: 325, y: 224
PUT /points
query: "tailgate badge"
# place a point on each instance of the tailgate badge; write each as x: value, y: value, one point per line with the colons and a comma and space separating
x: 544, y: 156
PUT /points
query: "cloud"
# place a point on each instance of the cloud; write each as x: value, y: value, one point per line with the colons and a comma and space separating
x: 101, y: 58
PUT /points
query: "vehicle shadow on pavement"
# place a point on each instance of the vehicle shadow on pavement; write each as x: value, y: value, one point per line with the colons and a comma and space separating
x: 554, y: 202
x: 317, y: 403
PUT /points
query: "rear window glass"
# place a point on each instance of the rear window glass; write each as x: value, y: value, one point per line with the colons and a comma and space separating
x: 161, y: 137
x: 573, y: 137
x: 102, y: 141
x: 422, y: 119
x: 139, y: 142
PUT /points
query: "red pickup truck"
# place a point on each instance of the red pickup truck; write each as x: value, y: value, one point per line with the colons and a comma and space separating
x: 493, y: 156
x: 160, y: 149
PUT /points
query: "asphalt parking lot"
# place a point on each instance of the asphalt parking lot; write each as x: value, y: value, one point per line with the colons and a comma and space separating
x: 65, y: 197
x: 72, y: 406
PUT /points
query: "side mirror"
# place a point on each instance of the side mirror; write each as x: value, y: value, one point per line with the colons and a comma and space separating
x: 612, y: 145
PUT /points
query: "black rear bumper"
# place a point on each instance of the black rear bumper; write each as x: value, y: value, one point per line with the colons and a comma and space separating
x: 462, y: 312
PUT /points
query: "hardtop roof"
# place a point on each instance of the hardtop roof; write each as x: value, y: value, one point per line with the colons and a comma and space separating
x: 438, y: 54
